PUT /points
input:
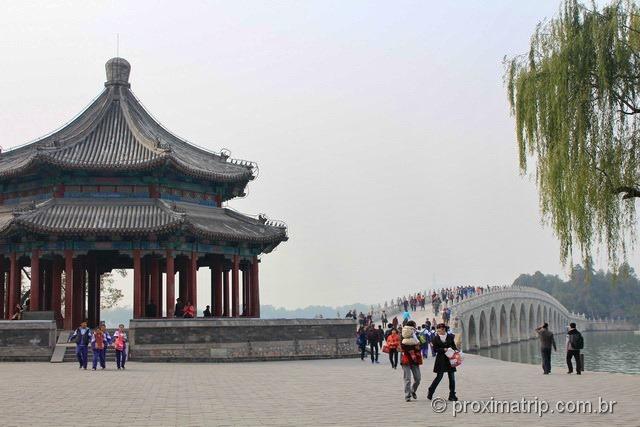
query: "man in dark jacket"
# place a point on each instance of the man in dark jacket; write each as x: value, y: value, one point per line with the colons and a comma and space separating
x: 178, y: 311
x: 372, y: 337
x: 575, y: 343
x: 381, y: 336
x: 546, y: 342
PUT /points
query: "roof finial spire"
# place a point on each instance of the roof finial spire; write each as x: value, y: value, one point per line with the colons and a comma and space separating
x: 118, y: 70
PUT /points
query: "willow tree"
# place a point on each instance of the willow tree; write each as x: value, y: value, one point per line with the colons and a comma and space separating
x: 576, y: 102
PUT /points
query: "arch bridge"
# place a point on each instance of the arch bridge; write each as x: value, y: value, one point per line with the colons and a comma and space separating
x: 509, y: 315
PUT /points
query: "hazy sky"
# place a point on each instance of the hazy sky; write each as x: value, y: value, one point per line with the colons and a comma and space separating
x: 381, y: 128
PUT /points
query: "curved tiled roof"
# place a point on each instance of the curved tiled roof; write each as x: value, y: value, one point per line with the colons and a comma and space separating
x: 116, y: 133
x: 136, y: 216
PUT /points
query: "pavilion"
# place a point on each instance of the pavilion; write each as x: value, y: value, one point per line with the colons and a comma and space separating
x: 113, y: 189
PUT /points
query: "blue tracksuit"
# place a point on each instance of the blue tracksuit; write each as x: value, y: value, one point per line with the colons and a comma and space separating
x: 82, y: 337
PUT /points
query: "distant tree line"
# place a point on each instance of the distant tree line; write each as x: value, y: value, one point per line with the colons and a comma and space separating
x: 597, y: 294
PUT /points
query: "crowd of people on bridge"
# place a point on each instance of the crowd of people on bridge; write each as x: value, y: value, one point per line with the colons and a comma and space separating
x: 99, y: 340
x: 437, y: 297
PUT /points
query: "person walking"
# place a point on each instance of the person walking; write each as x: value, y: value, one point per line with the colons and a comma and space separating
x: 361, y: 342
x: 120, y: 344
x: 410, y: 361
x: 372, y: 337
x: 383, y: 317
x: 99, y: 343
x: 546, y: 342
x: 441, y: 342
x: 575, y: 343
x: 82, y: 338
x: 393, y: 343
x: 381, y: 336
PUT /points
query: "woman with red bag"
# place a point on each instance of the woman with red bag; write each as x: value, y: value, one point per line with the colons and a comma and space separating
x: 393, y: 342
x: 442, y: 342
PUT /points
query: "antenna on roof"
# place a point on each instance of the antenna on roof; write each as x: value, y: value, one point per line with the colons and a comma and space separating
x: 117, y: 45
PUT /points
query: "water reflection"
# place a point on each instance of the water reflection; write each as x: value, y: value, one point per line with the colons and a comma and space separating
x: 604, y: 351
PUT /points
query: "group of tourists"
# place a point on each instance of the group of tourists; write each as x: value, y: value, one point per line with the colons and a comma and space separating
x: 99, y: 339
x: 187, y: 310
x: 414, y: 344
x: 574, y: 342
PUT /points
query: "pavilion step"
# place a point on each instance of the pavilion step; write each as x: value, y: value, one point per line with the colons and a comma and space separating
x: 61, y: 347
x: 70, y: 355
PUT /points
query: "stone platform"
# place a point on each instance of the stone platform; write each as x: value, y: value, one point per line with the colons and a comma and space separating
x: 239, y: 339
x: 27, y: 340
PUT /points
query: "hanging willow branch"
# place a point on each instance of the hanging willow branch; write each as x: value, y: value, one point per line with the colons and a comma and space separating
x: 576, y: 102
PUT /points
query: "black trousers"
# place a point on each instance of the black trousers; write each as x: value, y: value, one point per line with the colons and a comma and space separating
x: 393, y: 357
x: 576, y: 354
x: 438, y: 378
x: 363, y: 349
x: 546, y: 360
x: 373, y: 347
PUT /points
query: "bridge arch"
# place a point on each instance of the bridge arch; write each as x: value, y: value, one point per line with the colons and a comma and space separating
x: 504, y: 333
x: 522, y: 322
x: 472, y: 334
x: 532, y: 321
x: 493, y: 328
x: 483, y: 330
x: 513, y: 324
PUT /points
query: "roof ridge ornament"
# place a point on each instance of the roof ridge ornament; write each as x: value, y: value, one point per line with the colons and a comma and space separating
x: 118, y: 70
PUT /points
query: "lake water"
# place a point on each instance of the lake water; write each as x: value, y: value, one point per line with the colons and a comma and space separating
x: 603, y: 351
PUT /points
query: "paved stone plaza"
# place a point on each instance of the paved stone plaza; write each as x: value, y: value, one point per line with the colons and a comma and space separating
x: 344, y: 392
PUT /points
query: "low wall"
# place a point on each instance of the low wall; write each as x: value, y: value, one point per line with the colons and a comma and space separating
x: 27, y: 340
x: 234, y: 340
x: 610, y: 326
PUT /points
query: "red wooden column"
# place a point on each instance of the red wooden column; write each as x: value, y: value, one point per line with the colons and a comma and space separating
x: 156, y: 290
x: 193, y: 281
x: 225, y: 293
x: 246, y: 291
x: 3, y: 294
x: 34, y: 295
x: 46, y: 283
x: 137, y: 285
x: 255, y: 289
x: 78, y: 293
x: 56, y: 290
x: 12, y: 298
x: 234, y: 286
x: 171, y: 281
x: 92, y: 292
x: 68, y: 290
x: 216, y: 279
x: 183, y: 279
